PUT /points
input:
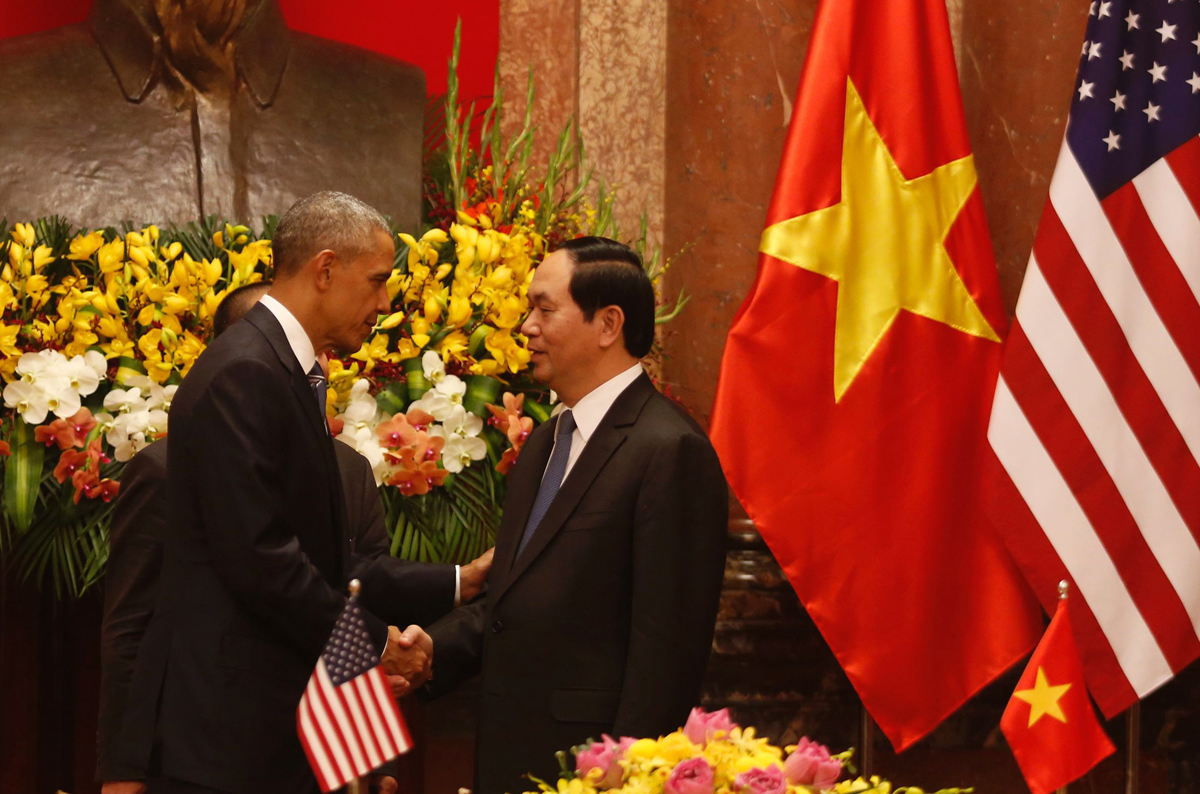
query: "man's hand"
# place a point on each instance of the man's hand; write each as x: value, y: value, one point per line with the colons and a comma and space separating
x: 472, y: 576
x: 123, y: 787
x: 407, y: 659
x: 382, y: 784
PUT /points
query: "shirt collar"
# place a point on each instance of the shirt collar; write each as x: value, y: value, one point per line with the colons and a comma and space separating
x: 297, y: 337
x: 592, y: 407
x: 134, y: 50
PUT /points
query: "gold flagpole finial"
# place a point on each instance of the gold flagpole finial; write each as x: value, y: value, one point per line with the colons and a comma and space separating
x: 1063, y: 587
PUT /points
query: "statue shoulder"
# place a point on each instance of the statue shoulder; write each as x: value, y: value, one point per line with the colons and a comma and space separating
x: 324, y: 65
x: 39, y: 62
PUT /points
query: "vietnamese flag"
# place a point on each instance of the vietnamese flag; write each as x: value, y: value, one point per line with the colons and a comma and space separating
x: 857, y: 377
x: 1049, y: 723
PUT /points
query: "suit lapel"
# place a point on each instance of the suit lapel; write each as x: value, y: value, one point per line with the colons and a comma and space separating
x: 262, y: 319
x: 608, y: 437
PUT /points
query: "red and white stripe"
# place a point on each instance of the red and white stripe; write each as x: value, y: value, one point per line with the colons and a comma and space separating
x: 1096, y: 420
x: 351, y: 729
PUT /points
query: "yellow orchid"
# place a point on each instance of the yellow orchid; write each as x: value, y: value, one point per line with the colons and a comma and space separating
x: 23, y: 234
x: 111, y: 256
x: 84, y: 245
x: 8, y: 340
x: 452, y: 346
x: 420, y: 331
x: 373, y: 351
x: 187, y: 351
x: 460, y: 311
x: 405, y: 349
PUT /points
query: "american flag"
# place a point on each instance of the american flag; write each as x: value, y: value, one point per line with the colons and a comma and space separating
x: 348, y: 721
x: 1096, y: 421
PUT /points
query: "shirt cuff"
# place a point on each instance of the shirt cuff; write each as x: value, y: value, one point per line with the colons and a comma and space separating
x: 457, y: 586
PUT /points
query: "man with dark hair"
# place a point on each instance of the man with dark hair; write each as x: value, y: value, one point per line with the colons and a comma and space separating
x: 257, y: 557
x: 235, y: 304
x: 420, y: 593
x: 599, y: 609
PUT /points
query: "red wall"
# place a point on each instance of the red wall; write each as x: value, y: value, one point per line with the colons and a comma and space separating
x: 417, y: 31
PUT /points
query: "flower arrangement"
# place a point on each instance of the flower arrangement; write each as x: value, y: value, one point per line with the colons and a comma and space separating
x: 713, y: 755
x: 99, y: 326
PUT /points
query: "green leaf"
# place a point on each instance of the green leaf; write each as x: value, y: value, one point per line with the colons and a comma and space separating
x: 23, y: 475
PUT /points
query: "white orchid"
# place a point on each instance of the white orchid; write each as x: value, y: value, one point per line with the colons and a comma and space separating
x: 436, y: 404
x: 33, y: 367
x: 61, y: 399
x: 81, y: 373
x: 460, y: 451
x: 160, y: 397
x: 453, y: 388
x: 460, y: 422
x: 28, y: 400
x: 431, y: 364
x: 130, y: 433
x: 124, y: 401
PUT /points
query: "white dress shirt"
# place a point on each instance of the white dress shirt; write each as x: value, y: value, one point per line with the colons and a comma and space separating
x: 302, y: 347
x: 297, y: 337
x: 590, y: 410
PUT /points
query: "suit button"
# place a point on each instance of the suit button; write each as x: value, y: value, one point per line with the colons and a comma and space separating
x: 497, y: 627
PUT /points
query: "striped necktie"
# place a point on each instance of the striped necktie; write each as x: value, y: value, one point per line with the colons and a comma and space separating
x: 320, y: 387
x: 552, y: 479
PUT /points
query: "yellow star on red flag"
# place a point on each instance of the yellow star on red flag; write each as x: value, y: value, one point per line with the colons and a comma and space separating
x: 884, y: 245
x: 1043, y: 699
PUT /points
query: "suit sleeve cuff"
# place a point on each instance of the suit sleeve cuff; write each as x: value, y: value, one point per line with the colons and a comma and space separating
x: 457, y: 586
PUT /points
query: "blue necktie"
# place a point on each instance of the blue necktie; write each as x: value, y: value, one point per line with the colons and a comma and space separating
x: 552, y: 479
x: 320, y: 387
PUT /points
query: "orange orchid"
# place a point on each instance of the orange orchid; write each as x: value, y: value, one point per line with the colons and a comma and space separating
x: 515, y: 426
x: 67, y: 433
x: 5, y: 450
x: 419, y: 479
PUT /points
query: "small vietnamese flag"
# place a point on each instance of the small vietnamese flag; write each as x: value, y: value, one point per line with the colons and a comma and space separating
x: 1049, y: 723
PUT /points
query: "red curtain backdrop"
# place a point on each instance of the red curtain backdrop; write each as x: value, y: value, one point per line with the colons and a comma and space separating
x: 416, y: 31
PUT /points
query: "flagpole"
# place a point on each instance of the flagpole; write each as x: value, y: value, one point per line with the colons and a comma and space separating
x: 1133, y: 730
x: 867, y: 740
x: 1063, y: 587
x: 355, y: 786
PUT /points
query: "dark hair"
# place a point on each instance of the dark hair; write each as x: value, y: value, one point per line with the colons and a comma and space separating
x: 325, y: 220
x: 235, y: 305
x: 608, y: 273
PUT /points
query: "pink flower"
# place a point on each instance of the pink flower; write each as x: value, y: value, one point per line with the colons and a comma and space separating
x: 605, y: 757
x: 702, y: 726
x: 762, y: 781
x: 811, y: 765
x: 693, y: 776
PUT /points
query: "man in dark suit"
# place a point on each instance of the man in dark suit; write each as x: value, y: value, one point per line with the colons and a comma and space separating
x: 600, y: 606
x: 419, y: 592
x: 257, y: 557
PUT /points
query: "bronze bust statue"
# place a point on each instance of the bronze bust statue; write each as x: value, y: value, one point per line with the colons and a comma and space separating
x: 167, y: 110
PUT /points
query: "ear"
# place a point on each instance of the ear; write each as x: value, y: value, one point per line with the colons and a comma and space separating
x: 611, y: 322
x: 322, y: 269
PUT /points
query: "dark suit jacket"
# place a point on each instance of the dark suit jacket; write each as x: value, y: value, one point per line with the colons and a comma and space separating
x: 604, y: 623
x: 420, y: 593
x: 255, y: 564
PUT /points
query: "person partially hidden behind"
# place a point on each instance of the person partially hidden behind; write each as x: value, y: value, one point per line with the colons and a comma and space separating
x: 256, y: 557
x: 422, y: 592
x: 600, y: 607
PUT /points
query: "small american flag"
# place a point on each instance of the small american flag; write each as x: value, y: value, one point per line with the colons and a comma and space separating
x: 1096, y: 421
x: 348, y: 721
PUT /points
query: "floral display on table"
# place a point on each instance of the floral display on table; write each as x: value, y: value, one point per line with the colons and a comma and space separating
x: 712, y: 755
x: 99, y: 326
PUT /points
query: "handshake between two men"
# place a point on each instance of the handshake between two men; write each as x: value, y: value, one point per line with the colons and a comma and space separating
x: 408, y: 656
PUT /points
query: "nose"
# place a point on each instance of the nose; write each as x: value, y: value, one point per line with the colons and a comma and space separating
x: 382, y: 303
x: 529, y: 327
